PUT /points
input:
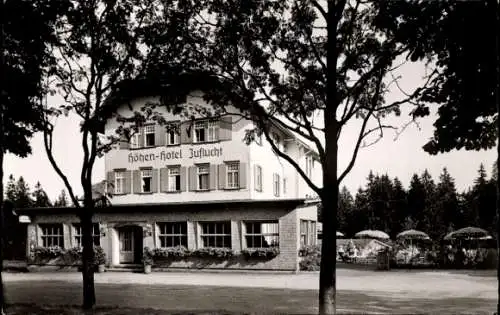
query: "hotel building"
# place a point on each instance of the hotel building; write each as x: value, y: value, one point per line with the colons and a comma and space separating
x: 195, y: 184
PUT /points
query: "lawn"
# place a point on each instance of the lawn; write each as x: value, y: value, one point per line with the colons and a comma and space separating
x: 160, y: 300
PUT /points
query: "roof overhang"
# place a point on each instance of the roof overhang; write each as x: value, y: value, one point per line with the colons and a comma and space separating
x: 287, y: 204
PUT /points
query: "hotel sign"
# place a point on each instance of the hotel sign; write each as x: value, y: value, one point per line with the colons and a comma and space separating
x: 175, y: 154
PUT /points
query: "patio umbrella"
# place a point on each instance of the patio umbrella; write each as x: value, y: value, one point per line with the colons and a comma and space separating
x: 469, y: 232
x: 413, y: 235
x: 372, y: 234
x: 340, y: 234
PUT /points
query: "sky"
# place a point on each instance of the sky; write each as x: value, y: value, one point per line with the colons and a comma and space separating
x: 398, y: 158
x: 401, y: 157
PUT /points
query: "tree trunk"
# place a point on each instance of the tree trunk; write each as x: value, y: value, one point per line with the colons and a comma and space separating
x: 330, y: 191
x: 497, y: 92
x: 327, y: 276
x: 89, y: 299
x: 2, y: 298
x: 2, y: 62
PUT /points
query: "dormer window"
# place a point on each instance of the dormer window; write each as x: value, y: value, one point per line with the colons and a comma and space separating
x: 206, y: 131
x: 173, y: 137
x: 149, y: 136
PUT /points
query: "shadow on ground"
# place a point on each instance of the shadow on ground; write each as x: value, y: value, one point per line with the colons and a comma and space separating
x: 128, y: 299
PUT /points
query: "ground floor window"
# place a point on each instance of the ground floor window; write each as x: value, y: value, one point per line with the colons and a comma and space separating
x: 52, y: 235
x: 262, y: 234
x: 78, y: 235
x: 172, y: 234
x: 307, y: 232
x: 216, y: 234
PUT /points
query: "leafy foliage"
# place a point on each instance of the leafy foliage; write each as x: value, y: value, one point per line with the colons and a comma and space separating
x: 171, y: 252
x: 214, y: 252
x: 462, y: 63
x: 261, y: 253
x: 147, y: 257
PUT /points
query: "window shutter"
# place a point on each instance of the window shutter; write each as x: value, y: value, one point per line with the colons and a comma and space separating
x: 183, y: 178
x: 255, y: 183
x: 141, y: 138
x: 124, y: 143
x: 110, y: 178
x: 222, y: 176
x: 186, y: 130
x: 160, y: 135
x: 137, y: 182
x: 192, y: 178
x: 225, y: 128
x: 154, y: 179
x: 213, y: 176
x: 164, y: 179
x: 127, y: 182
x: 243, y: 175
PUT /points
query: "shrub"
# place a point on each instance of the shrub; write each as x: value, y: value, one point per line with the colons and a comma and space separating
x: 71, y: 255
x: 262, y: 253
x: 214, y: 252
x: 147, y: 256
x: 310, y: 250
x: 171, y: 252
x: 48, y: 252
x: 310, y: 263
x: 99, y: 256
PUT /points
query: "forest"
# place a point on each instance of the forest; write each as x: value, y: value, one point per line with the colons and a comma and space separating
x: 430, y: 205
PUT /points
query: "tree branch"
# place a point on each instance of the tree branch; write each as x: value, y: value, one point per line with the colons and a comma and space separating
x: 47, y: 141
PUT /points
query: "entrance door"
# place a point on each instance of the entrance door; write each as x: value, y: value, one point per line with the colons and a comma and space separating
x: 127, y: 245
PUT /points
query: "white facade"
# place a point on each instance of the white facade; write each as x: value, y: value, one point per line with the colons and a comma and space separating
x: 207, y: 161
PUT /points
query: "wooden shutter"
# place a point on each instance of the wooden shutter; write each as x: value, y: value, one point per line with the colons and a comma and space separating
x: 124, y: 143
x: 212, y: 177
x: 192, y: 178
x: 160, y: 135
x: 186, y: 130
x: 154, y: 179
x: 140, y: 142
x: 110, y: 179
x: 222, y: 176
x: 243, y: 175
x: 164, y: 179
x: 183, y: 178
x: 225, y: 128
x: 127, y: 182
x: 137, y: 181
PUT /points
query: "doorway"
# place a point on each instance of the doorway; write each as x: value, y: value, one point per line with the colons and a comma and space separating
x: 130, y: 240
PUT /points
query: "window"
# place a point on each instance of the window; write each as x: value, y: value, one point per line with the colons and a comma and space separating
x: 173, y: 134
x: 96, y: 234
x: 147, y: 180
x: 233, y: 172
x: 206, y: 131
x: 284, y: 185
x: 262, y: 234
x: 119, y: 182
x: 173, y: 234
x: 134, y: 141
x: 52, y: 235
x: 276, y: 185
x: 174, y: 178
x: 307, y: 232
x: 309, y: 166
x: 258, y: 178
x: 203, y: 176
x: 216, y: 234
x: 149, y: 136
x: 303, y: 232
